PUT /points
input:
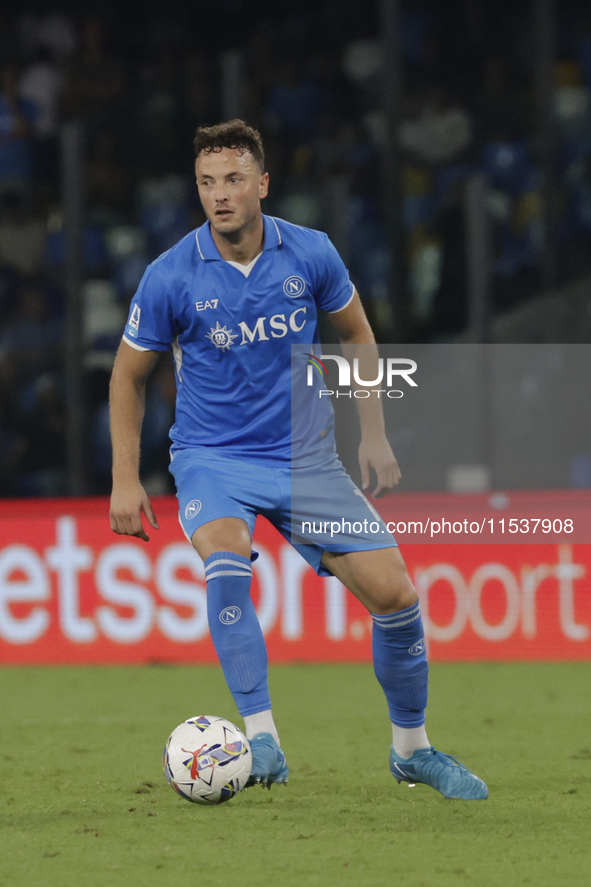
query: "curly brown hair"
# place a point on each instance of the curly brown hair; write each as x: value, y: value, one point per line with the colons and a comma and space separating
x: 235, y: 134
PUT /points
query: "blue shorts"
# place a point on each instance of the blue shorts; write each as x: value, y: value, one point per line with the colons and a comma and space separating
x: 316, y: 508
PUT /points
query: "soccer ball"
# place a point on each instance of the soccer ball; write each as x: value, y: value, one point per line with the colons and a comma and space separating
x: 207, y: 760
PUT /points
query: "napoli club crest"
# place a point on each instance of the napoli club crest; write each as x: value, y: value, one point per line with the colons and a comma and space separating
x: 193, y: 509
x: 230, y: 615
x: 294, y: 286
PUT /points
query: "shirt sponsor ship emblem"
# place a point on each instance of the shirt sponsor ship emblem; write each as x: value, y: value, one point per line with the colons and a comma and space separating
x: 221, y: 337
x: 294, y: 286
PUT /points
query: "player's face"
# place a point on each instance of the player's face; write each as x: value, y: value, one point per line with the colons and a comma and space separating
x: 231, y: 187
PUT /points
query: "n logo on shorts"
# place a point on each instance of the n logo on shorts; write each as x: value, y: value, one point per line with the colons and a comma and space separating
x: 192, y: 509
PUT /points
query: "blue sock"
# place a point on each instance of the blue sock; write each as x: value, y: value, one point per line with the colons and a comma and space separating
x: 235, y: 630
x: 400, y: 663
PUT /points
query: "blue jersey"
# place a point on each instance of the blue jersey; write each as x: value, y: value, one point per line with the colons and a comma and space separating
x: 230, y: 334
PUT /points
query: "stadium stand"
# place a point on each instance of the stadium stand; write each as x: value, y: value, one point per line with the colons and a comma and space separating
x: 311, y: 83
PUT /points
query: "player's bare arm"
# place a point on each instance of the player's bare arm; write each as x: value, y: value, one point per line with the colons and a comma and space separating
x: 127, y: 399
x: 375, y: 452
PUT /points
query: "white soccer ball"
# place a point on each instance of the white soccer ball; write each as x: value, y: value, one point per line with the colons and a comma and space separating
x: 207, y: 760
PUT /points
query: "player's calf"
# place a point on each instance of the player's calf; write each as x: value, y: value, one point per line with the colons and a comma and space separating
x: 235, y: 630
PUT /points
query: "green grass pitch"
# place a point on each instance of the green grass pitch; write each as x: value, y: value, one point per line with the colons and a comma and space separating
x: 83, y: 800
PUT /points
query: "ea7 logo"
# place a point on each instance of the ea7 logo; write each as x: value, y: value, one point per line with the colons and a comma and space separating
x: 201, y: 306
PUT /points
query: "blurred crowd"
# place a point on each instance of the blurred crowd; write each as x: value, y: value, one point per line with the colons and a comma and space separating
x: 141, y: 79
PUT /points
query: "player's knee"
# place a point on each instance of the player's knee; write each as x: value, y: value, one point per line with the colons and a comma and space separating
x: 393, y: 589
x: 225, y: 534
x: 393, y: 593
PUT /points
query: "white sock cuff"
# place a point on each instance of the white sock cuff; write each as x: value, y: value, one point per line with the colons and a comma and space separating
x: 407, y: 740
x: 261, y: 722
x: 400, y: 619
x: 225, y: 563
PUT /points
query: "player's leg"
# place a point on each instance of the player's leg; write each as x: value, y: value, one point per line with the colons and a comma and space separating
x: 379, y: 579
x: 218, y: 498
x: 225, y: 547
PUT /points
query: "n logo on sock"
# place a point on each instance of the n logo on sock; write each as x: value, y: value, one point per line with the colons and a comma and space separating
x: 230, y: 615
x: 417, y: 648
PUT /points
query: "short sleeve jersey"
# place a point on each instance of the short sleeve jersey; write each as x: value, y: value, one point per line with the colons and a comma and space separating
x: 230, y: 334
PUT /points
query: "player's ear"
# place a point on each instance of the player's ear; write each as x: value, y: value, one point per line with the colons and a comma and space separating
x: 264, y: 185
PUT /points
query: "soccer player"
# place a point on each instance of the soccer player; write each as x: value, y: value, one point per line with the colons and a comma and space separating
x: 230, y: 299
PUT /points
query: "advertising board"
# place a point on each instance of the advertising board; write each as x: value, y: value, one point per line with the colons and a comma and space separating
x: 73, y: 592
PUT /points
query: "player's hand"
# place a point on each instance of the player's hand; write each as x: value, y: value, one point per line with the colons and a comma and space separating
x: 127, y: 504
x: 375, y: 452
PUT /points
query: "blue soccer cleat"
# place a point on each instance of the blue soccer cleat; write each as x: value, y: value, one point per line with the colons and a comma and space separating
x: 442, y: 772
x: 268, y: 762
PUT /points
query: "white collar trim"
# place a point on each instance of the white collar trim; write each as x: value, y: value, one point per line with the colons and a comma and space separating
x: 245, y: 269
